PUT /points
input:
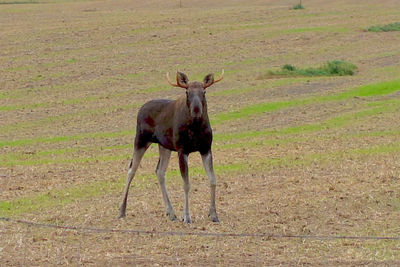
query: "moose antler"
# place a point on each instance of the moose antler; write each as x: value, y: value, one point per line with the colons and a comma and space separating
x: 217, y: 80
x: 174, y: 84
x: 220, y: 77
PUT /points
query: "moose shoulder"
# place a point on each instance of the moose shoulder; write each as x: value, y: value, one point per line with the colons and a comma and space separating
x: 180, y: 125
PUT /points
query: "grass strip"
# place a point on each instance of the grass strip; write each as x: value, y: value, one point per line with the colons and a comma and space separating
x: 56, y: 139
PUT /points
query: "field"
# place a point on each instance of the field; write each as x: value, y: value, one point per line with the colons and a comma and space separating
x: 308, y: 169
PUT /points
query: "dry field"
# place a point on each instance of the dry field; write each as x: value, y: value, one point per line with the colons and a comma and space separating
x: 312, y: 157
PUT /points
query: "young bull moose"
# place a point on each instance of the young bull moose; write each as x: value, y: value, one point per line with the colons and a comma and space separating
x: 183, y: 126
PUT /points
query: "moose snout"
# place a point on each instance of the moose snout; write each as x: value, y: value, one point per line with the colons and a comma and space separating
x: 196, y: 111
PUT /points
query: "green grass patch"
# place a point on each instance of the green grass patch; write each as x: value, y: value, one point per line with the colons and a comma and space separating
x: 56, y: 198
x: 386, y: 28
x: 63, y: 118
x: 380, y: 149
x: 336, y: 122
x: 71, y: 60
x: 298, y: 6
x: 97, y: 154
x: 20, y: 107
x: 56, y: 139
x: 266, y: 85
x: 257, y: 109
x: 377, y: 89
x: 330, y: 68
x: 328, y: 29
x: 18, y: 2
x: 316, y: 29
x: 373, y: 109
x: 21, y: 161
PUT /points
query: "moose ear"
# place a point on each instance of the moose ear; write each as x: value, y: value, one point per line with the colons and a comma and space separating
x: 182, y: 80
x: 208, y: 80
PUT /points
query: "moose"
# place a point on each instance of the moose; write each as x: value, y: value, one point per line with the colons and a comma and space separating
x: 180, y: 125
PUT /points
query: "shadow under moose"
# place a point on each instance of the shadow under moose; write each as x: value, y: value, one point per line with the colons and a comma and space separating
x: 180, y: 125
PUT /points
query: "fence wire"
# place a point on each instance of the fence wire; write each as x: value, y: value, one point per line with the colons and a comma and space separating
x: 197, y: 233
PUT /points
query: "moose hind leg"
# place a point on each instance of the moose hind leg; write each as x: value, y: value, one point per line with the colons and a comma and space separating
x: 137, y: 157
x: 162, y: 166
x: 183, y: 165
x: 208, y: 166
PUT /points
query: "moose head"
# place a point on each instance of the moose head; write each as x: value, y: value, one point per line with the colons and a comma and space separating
x: 195, y: 91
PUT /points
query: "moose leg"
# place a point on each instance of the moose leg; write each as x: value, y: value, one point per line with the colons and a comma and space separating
x: 137, y: 157
x: 208, y: 166
x: 162, y: 166
x: 183, y: 165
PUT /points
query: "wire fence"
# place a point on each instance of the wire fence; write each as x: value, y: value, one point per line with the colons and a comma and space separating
x: 220, y: 253
x: 197, y: 233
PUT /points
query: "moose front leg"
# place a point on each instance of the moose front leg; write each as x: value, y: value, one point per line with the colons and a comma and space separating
x: 208, y: 166
x: 183, y: 165
x: 160, y: 171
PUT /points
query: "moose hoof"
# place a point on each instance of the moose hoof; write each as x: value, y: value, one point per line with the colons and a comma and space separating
x: 172, y: 216
x: 215, y: 219
x: 187, y: 219
x: 121, y: 215
x: 213, y: 216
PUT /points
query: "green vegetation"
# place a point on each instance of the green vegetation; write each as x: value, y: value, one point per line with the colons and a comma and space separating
x: 374, y: 109
x: 298, y: 6
x: 21, y: 107
x: 21, y: 160
x: 63, y: 118
x: 330, y: 68
x: 265, y: 85
x: 56, y: 198
x: 18, y: 2
x: 316, y: 29
x: 386, y: 28
x: 377, y: 89
x: 56, y: 139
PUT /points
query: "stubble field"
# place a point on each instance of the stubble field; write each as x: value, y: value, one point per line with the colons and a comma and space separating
x: 300, y: 161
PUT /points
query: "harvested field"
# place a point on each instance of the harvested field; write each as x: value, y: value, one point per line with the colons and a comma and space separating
x: 308, y: 169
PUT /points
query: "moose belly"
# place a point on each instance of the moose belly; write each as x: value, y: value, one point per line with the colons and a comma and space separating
x: 164, y: 137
